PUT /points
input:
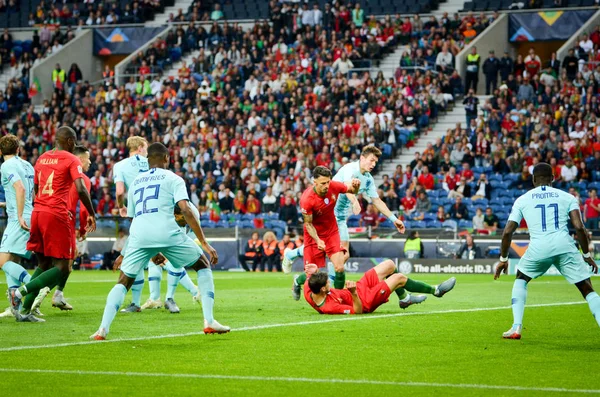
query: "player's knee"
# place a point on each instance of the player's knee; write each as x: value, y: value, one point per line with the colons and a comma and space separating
x: 201, y: 263
x: 399, y: 279
x: 585, y: 287
x: 388, y: 266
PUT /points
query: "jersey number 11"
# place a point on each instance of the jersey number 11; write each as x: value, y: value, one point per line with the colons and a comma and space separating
x: 543, y: 208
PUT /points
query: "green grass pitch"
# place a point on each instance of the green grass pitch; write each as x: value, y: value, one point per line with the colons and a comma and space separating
x: 444, y: 347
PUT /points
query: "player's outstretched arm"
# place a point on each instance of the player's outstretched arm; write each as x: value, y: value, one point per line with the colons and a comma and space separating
x: 383, y: 208
x: 356, y: 210
x: 312, y: 232
x: 194, y: 224
x: 509, y: 229
x: 86, y: 200
x: 582, y: 237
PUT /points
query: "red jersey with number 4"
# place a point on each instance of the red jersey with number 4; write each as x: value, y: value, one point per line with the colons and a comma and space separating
x: 337, y: 301
x: 55, y: 172
x: 321, y: 208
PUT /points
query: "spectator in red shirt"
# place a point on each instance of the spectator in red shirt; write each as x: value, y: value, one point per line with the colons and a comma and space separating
x: 105, y: 205
x: 591, y: 212
x: 451, y: 179
x: 144, y: 69
x: 467, y: 173
x: 324, y: 158
x: 370, y: 217
x: 408, y: 202
x: 426, y: 179
x: 252, y: 205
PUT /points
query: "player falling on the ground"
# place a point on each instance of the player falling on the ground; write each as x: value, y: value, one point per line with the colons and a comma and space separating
x: 361, y: 170
x: 321, y: 234
x: 153, y: 196
x: 547, y: 212
x: 58, y: 299
x: 371, y: 291
x: 125, y: 171
x: 17, y: 180
x: 51, y: 236
x: 176, y: 276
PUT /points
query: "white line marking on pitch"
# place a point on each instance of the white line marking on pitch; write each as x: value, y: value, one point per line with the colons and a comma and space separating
x: 290, y: 379
x: 333, y: 319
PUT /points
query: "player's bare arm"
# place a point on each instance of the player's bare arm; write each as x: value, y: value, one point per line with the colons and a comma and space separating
x: 20, y: 194
x: 583, y: 239
x: 356, y: 209
x: 86, y: 200
x: 194, y: 224
x: 310, y: 229
x: 353, y: 185
x: 356, y: 302
x: 117, y: 264
x: 120, y: 193
x: 383, y: 208
x: 509, y: 229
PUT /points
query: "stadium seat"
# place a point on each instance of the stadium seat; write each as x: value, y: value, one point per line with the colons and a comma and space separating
x: 419, y: 225
x: 387, y: 224
x: 450, y: 224
x: 434, y: 225
x: 465, y: 224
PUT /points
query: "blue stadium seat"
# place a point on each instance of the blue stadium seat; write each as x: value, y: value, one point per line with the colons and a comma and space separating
x: 209, y: 225
x: 465, y: 224
x: 352, y: 222
x: 419, y: 225
x: 408, y: 224
x: 248, y: 217
x: 506, y: 193
x: 434, y: 225
x: 480, y: 202
x: 495, y: 177
x: 450, y: 224
x: 387, y: 224
x: 429, y: 217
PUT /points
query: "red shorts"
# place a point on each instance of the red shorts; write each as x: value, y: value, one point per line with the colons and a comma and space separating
x: 51, y: 235
x: 372, y: 291
x: 314, y: 255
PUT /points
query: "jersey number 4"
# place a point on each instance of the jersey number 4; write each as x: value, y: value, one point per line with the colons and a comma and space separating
x: 47, y: 189
x: 154, y: 190
x: 542, y: 207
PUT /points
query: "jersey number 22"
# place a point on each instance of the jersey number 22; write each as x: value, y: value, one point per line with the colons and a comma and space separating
x: 154, y: 190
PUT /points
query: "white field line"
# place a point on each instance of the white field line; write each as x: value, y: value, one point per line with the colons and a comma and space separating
x: 305, y: 380
x: 332, y: 319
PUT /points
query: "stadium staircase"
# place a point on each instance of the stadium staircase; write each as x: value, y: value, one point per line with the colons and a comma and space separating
x: 162, y: 19
x: 445, y: 121
x: 449, y: 6
x: 391, y: 62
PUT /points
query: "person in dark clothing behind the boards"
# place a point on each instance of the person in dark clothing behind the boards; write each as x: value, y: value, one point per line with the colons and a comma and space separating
x: 471, y: 102
x: 571, y: 64
x: 506, y: 66
x: 491, y: 66
x: 253, y: 253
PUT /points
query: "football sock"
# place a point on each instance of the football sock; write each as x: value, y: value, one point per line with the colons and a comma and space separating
x: 114, y: 300
x: 295, y: 253
x: 418, y: 286
x: 154, y: 279
x: 187, y: 283
x: 207, y: 292
x: 15, y: 274
x: 300, y: 279
x: 401, y: 292
x: 519, y: 296
x: 136, y: 289
x: 173, y: 277
x: 38, y: 270
x: 594, y: 301
x: 331, y: 272
x: 49, y: 278
x: 340, y: 280
x: 62, y: 282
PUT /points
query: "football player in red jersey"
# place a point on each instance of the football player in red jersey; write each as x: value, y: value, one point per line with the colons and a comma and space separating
x: 321, y: 234
x: 83, y: 153
x: 367, y: 294
x: 52, y: 235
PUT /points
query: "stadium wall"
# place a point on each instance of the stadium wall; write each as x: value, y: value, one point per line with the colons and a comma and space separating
x: 587, y: 27
x: 79, y: 51
x: 495, y: 37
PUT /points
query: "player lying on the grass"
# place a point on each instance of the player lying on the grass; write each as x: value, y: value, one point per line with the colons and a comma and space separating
x: 547, y: 212
x: 17, y: 181
x: 360, y: 170
x: 321, y: 234
x: 51, y: 235
x: 154, y: 195
x: 368, y: 293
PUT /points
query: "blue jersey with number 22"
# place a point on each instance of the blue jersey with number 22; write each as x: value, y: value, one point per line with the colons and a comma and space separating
x: 546, y: 211
x: 152, y: 197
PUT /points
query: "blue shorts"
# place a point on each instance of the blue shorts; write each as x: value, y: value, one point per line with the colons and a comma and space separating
x: 571, y: 265
x: 180, y: 256
x: 342, y: 224
x: 14, y: 239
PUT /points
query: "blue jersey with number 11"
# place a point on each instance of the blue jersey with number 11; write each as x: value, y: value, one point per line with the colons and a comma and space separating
x: 152, y: 197
x: 546, y: 211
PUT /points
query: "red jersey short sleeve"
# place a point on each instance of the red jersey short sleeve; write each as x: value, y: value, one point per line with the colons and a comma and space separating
x: 338, y: 301
x: 55, y: 172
